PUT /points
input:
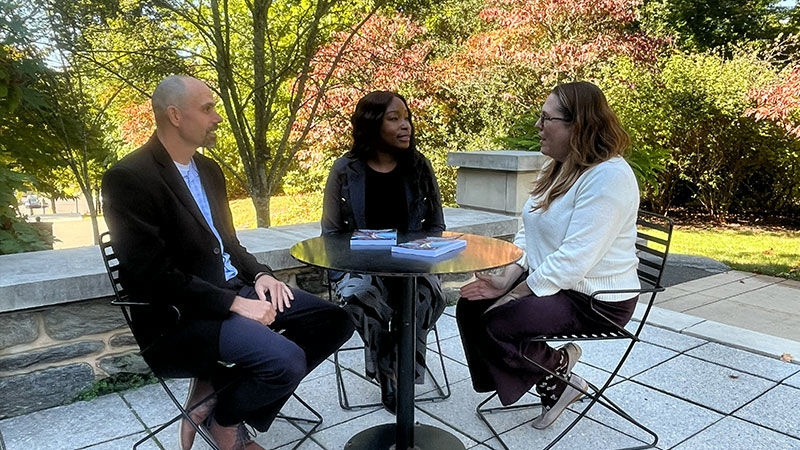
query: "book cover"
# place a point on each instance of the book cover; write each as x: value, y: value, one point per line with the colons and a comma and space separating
x: 430, y: 246
x: 373, y: 238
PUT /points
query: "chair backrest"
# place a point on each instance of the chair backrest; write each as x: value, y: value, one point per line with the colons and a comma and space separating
x: 112, y: 269
x: 654, y: 234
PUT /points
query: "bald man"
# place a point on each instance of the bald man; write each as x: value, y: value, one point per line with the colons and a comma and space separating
x: 167, y: 210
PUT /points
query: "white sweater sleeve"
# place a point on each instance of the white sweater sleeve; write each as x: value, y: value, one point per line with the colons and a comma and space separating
x: 519, y: 241
x: 603, y: 201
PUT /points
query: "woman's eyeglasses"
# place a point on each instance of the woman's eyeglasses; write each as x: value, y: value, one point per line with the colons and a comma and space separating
x: 544, y: 118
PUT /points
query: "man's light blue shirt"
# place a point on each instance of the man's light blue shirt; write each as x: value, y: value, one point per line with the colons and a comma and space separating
x: 192, y: 178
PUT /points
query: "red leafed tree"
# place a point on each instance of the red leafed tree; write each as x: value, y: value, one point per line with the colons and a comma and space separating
x: 538, y: 43
x: 780, y: 103
x: 137, y: 123
x: 386, y: 54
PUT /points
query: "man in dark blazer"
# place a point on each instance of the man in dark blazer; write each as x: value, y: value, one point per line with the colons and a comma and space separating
x: 167, y: 210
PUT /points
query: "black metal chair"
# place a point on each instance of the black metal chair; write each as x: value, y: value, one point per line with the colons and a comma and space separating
x: 653, y: 239
x: 122, y: 300
x: 441, y: 392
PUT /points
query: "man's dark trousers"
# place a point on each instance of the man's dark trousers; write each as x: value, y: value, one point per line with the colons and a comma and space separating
x: 275, y: 358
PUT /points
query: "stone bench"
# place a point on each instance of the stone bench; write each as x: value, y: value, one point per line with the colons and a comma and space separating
x: 59, y: 332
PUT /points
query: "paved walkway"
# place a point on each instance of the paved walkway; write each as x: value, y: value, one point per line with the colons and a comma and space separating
x: 699, y: 383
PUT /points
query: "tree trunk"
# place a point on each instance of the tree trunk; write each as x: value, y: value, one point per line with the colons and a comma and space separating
x: 53, y: 202
x: 261, y: 203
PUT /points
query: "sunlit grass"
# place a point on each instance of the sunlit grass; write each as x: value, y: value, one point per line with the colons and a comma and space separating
x: 749, y: 250
x: 284, y: 210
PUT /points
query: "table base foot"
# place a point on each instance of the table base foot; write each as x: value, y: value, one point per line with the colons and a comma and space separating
x: 382, y: 437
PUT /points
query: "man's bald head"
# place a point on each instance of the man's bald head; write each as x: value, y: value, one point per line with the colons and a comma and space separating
x: 170, y: 92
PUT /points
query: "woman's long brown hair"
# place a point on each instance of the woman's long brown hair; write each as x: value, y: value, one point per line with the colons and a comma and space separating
x: 597, y: 136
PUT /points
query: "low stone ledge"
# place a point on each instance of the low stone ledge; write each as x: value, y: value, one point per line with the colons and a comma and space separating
x: 43, y: 389
x: 52, y: 277
x: 498, y: 181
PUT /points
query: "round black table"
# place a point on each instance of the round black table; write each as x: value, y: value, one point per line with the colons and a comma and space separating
x: 333, y: 252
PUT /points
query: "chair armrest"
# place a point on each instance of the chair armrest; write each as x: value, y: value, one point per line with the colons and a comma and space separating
x: 593, y: 298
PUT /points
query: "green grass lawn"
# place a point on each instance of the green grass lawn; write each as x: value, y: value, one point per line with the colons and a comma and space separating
x: 771, y: 252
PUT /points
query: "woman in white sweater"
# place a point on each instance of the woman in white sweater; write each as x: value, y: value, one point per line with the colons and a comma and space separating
x: 579, y: 232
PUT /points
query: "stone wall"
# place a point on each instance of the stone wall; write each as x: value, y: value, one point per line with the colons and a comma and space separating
x: 49, y: 355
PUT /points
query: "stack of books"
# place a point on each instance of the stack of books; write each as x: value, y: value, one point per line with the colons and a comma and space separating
x: 373, y: 238
x: 430, y: 246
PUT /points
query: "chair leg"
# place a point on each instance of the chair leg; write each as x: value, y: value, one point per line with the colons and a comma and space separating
x: 443, y: 390
x: 599, y: 397
x: 483, y: 411
x: 184, y: 414
x: 317, y: 421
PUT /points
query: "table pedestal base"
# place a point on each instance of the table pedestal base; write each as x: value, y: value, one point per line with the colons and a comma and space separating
x: 382, y: 437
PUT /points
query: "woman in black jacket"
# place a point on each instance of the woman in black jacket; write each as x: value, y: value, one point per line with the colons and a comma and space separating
x: 384, y: 182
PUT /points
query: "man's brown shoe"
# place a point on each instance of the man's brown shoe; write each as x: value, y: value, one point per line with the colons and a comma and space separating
x: 198, y: 390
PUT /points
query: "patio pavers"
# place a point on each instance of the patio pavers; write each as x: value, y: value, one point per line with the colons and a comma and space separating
x: 777, y: 409
x: 731, y: 433
x: 769, y: 368
x: 715, y: 387
x: 699, y: 383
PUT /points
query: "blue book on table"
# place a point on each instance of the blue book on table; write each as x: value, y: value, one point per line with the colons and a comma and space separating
x: 430, y: 246
x: 373, y: 238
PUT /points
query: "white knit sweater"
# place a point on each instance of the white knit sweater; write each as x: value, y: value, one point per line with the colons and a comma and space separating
x: 585, y: 240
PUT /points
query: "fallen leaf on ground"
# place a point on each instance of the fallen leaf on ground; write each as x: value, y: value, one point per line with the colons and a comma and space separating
x: 786, y: 357
x: 733, y: 376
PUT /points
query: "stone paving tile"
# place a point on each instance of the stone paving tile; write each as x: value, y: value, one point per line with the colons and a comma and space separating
x: 689, y: 302
x: 777, y: 297
x: 670, y: 293
x: 667, y: 319
x: 745, y: 285
x: 734, y: 434
x: 337, y: 437
x: 752, y: 341
x: 447, y: 326
x: 770, y: 368
x: 777, y: 409
x: 279, y: 434
x: 749, y: 317
x: 606, y: 354
x: 586, y: 434
x: 714, y: 280
x: 324, y: 369
x: 459, y: 411
x: 71, y: 426
x: 669, y: 339
x: 672, y: 419
x: 125, y: 443
x: 455, y: 372
x: 309, y: 444
x: 153, y: 405
x: 593, y: 374
x: 453, y: 349
x: 716, y: 387
x: 321, y: 395
x: 794, y: 381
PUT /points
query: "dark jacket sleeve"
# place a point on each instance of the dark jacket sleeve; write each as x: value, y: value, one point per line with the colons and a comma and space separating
x: 148, y: 273
x: 332, y: 215
x: 435, y: 219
